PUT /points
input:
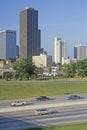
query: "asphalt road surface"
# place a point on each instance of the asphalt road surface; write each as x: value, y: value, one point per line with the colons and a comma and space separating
x: 32, y: 101
x: 27, y: 119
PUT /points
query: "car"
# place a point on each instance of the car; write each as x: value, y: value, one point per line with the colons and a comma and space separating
x: 42, y: 98
x: 72, y: 97
x: 42, y: 111
x: 18, y: 103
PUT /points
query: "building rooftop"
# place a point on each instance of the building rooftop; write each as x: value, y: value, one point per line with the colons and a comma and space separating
x: 3, y: 31
x: 27, y: 8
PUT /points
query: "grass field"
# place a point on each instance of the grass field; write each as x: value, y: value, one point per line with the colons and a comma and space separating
x: 29, y: 89
x: 69, y: 127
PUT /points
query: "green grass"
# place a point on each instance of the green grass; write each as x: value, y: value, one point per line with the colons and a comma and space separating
x: 28, y: 89
x: 69, y: 127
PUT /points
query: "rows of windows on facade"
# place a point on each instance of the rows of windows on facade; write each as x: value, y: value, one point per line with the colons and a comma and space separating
x: 30, y: 43
x: 60, y: 52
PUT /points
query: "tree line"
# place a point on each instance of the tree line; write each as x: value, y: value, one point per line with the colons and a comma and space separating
x: 26, y: 69
x: 79, y: 68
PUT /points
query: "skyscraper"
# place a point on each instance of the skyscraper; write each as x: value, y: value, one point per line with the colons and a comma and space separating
x: 30, y: 35
x: 59, y: 50
x: 80, y: 52
x: 8, y: 44
x: 17, y: 51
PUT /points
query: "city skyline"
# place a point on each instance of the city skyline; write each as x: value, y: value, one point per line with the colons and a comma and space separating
x: 57, y: 18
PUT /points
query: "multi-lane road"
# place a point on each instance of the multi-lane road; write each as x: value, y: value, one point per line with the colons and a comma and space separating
x: 61, y: 115
x: 32, y: 101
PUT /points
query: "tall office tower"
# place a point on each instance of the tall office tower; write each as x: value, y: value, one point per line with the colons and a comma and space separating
x: 59, y: 50
x: 80, y: 52
x: 17, y: 51
x: 30, y: 35
x: 64, y: 50
x: 8, y: 44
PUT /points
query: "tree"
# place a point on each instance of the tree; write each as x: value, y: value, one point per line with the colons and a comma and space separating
x: 79, y: 68
x: 24, y: 69
x: 69, y: 70
x: 82, y: 67
x: 8, y: 75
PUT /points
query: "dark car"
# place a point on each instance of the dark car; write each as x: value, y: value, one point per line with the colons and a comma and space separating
x: 72, y: 97
x: 42, y: 98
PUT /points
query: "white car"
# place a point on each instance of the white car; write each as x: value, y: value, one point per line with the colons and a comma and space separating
x: 18, y: 103
x: 42, y: 111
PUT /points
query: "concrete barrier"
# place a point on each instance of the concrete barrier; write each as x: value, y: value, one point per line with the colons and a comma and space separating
x: 32, y: 107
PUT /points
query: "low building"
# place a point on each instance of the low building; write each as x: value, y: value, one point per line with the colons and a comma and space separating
x: 66, y: 60
x: 42, y: 61
x: 5, y: 66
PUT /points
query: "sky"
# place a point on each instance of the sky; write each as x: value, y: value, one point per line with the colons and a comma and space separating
x: 66, y: 19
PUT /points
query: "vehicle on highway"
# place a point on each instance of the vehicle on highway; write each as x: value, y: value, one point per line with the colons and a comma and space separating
x: 18, y: 103
x: 42, y: 98
x: 42, y: 111
x: 72, y: 97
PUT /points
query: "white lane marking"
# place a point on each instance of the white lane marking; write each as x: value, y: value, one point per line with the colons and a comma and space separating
x: 64, y: 117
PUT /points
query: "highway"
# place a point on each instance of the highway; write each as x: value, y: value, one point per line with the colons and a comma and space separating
x: 63, y: 112
x: 27, y: 119
x: 32, y: 101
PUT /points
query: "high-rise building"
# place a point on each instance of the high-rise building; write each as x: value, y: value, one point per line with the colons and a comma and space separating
x: 59, y: 50
x: 30, y: 35
x: 7, y: 44
x: 17, y: 51
x: 80, y: 52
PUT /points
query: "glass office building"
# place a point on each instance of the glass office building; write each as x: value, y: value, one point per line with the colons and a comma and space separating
x: 7, y: 44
